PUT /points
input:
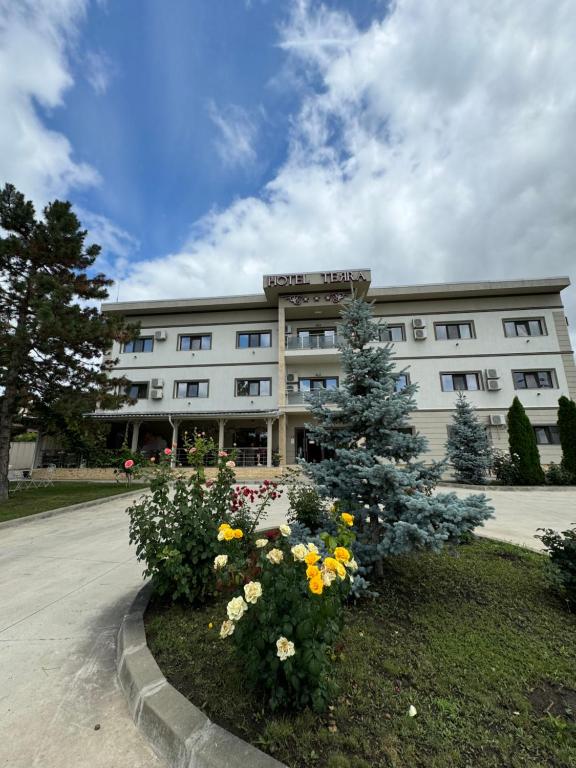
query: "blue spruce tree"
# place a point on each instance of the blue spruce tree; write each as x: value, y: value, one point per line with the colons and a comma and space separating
x: 468, y: 447
x: 372, y: 464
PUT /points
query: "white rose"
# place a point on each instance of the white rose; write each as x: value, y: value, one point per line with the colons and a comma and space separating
x: 252, y: 591
x: 220, y: 535
x: 261, y: 543
x: 285, y: 648
x: 227, y: 628
x: 285, y: 530
x: 352, y: 564
x: 312, y: 547
x: 299, y: 551
x: 220, y: 561
x: 236, y: 608
x: 327, y: 577
x: 230, y: 464
x: 275, y: 556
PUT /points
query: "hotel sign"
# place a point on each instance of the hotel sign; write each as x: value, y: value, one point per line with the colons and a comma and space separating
x: 326, y: 278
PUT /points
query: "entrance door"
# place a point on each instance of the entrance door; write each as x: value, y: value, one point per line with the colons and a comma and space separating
x: 307, y: 448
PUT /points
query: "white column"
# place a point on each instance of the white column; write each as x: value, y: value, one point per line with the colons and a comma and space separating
x: 174, y: 446
x: 221, y: 425
x: 135, y: 435
x: 269, y: 424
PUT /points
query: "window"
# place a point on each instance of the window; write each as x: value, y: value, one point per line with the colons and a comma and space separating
x: 202, y: 341
x: 455, y: 382
x: 453, y: 331
x: 524, y: 327
x: 244, y: 340
x: 143, y: 344
x: 547, y: 435
x: 192, y: 389
x: 533, y: 379
x: 392, y: 333
x: 253, y: 387
x: 137, y: 390
x: 402, y: 381
x: 309, y: 385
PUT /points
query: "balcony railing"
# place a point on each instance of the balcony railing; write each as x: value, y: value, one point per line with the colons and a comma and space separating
x: 299, y: 398
x: 244, y: 457
x: 311, y: 342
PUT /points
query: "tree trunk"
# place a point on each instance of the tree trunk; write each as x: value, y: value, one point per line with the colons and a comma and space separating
x: 6, y: 418
x: 375, y: 539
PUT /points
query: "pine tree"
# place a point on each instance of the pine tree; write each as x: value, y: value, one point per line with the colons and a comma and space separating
x: 567, y: 429
x: 522, y: 442
x: 51, y: 335
x: 372, y: 464
x: 468, y: 447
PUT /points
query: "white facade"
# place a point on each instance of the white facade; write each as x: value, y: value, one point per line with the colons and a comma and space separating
x: 295, y: 310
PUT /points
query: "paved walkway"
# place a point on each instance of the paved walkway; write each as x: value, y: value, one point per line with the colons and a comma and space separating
x: 65, y: 583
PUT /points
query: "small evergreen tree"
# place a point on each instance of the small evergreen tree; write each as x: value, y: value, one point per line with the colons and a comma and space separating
x: 372, y: 464
x: 567, y: 429
x: 468, y: 447
x: 522, y: 442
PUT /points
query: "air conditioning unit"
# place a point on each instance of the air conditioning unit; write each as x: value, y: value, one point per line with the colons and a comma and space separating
x: 160, y: 335
x: 157, y: 394
x: 497, y: 420
x: 291, y: 388
x: 420, y: 334
x: 289, y: 377
x: 493, y: 385
x: 157, y: 383
x: 417, y: 322
x: 492, y: 373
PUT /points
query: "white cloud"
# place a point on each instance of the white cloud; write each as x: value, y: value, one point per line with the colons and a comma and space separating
x: 237, y: 134
x: 34, y: 71
x: 99, y: 71
x: 437, y: 145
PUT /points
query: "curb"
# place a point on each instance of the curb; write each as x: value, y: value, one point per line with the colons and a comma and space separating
x: 178, y: 731
x: 508, y: 488
x: 62, y: 510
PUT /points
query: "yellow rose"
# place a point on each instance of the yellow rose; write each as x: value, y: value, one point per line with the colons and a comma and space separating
x: 227, y: 534
x: 331, y: 564
x: 224, y: 526
x: 340, y: 570
x: 238, y: 533
x: 342, y: 554
x: 312, y: 571
x: 347, y: 518
x: 311, y: 558
x: 316, y: 585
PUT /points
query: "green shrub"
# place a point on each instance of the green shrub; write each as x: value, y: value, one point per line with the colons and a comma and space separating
x: 567, y: 429
x: 306, y: 505
x: 522, y: 441
x: 557, y: 475
x: 175, y: 527
x: 562, y: 549
x: 505, y: 468
x: 289, y: 617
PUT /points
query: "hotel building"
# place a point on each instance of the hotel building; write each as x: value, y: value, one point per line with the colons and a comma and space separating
x: 239, y: 367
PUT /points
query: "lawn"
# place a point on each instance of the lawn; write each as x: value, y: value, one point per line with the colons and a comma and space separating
x: 472, y: 638
x: 32, y: 500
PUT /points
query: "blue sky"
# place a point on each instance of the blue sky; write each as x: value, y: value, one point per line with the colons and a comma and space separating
x: 206, y: 142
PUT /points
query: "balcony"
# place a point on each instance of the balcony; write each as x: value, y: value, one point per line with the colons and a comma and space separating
x: 319, y: 347
x: 299, y: 398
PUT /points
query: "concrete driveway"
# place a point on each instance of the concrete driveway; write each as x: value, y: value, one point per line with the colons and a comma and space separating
x: 65, y: 583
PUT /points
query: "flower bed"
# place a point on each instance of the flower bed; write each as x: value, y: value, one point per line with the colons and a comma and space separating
x: 471, y: 639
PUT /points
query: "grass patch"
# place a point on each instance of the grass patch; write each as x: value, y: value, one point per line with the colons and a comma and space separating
x: 472, y: 638
x: 30, y: 501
